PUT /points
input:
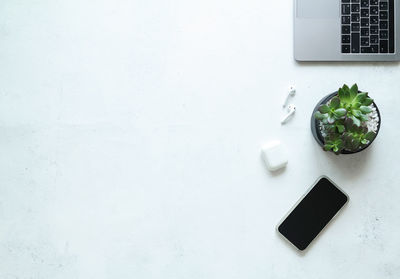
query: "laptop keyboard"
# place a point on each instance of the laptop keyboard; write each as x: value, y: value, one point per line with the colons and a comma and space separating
x: 367, y: 26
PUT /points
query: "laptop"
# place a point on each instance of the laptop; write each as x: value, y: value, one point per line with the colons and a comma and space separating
x: 347, y: 30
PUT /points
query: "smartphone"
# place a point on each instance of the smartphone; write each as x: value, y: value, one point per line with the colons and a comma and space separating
x: 310, y: 215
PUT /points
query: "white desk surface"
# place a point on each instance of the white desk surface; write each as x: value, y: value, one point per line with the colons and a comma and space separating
x: 129, y: 145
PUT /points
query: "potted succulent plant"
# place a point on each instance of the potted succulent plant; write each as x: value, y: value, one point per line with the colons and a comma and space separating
x: 346, y: 121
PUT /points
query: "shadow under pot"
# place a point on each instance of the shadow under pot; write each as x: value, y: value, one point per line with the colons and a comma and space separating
x: 316, y: 125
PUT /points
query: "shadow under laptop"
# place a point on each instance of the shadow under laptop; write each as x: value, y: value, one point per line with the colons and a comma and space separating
x: 347, y: 63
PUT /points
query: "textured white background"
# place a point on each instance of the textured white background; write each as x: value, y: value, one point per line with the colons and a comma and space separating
x: 130, y: 135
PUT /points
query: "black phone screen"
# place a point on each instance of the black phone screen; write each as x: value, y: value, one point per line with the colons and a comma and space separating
x: 312, y: 213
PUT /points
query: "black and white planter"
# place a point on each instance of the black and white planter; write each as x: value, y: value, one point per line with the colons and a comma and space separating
x: 315, y: 124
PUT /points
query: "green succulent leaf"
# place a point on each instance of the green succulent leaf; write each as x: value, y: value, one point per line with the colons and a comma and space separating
x: 356, y: 112
x: 363, y: 130
x: 340, y: 112
x: 354, y: 90
x: 365, y: 109
x: 368, y: 101
x: 363, y: 118
x: 335, y: 102
x: 364, y: 141
x: 334, y: 143
x: 324, y: 109
x: 338, y: 147
x: 348, y: 123
x: 319, y: 116
x: 356, y: 143
x: 344, y: 94
x: 370, y: 136
x: 327, y: 147
x: 340, y: 128
x: 356, y: 121
x: 360, y: 97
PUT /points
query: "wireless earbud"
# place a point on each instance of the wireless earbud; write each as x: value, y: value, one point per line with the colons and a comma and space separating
x: 291, y: 93
x: 291, y: 110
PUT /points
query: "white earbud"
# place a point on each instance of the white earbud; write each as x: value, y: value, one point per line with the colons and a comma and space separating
x: 291, y: 93
x: 291, y: 110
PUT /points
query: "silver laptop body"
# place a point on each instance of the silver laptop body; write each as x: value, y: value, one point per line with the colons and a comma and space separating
x: 346, y: 30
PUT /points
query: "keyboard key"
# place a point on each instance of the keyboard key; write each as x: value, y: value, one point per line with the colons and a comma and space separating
x: 345, y: 1
x: 365, y: 50
x: 364, y: 12
x: 383, y: 46
x: 345, y: 29
x: 373, y: 30
x: 355, y: 8
x: 355, y: 18
x: 345, y: 48
x: 383, y: 34
x: 355, y: 42
x: 364, y: 3
x: 345, y: 9
x: 374, y: 39
x: 364, y: 41
x: 345, y: 19
x: 355, y: 27
x: 370, y: 49
x: 383, y: 24
x: 374, y: 48
x: 383, y: 15
x: 355, y: 1
x: 346, y: 39
x: 365, y: 32
x: 373, y: 2
x: 374, y: 10
x: 383, y: 6
x: 364, y: 22
x: 374, y: 19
